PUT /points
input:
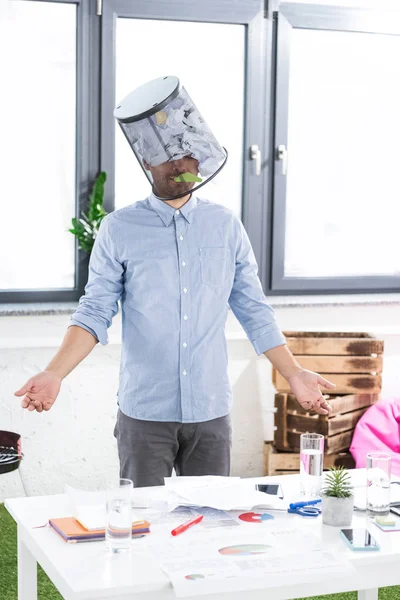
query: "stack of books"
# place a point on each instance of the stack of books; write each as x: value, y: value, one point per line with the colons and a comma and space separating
x: 73, y: 531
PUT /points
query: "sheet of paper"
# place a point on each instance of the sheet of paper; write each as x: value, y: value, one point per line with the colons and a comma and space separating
x: 204, y: 543
x: 230, y: 495
x: 144, y: 498
x: 212, y: 517
x: 210, y: 576
x: 242, y: 562
x: 89, y: 508
x: 202, y: 481
x: 216, y: 518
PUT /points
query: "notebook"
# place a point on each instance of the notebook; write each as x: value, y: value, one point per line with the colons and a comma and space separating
x: 72, y: 531
x: 392, y: 527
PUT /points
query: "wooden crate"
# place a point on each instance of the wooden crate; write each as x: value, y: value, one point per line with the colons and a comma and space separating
x: 333, y: 343
x: 333, y: 444
x: 353, y: 361
x: 283, y: 463
x: 291, y: 420
x: 345, y: 384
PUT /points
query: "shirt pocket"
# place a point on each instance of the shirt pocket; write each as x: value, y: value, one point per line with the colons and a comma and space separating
x: 214, y: 266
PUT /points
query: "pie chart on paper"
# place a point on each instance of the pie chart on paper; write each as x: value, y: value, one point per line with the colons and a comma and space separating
x: 252, y: 517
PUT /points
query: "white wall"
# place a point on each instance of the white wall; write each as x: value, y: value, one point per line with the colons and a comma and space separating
x: 74, y: 441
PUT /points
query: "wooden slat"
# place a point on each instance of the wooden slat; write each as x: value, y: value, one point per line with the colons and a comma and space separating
x: 280, y: 436
x: 322, y: 424
x: 338, y: 443
x: 307, y: 423
x: 281, y: 461
x: 329, y: 334
x: 339, y: 404
x: 344, y: 422
x: 333, y: 444
x: 335, y: 346
x: 345, y: 384
x: 276, y: 463
x: 341, y: 364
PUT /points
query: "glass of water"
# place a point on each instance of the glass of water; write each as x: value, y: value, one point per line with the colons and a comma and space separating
x: 119, y: 516
x: 311, y: 463
x: 378, y: 483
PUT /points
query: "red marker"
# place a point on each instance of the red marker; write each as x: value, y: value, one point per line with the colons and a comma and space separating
x: 186, y: 525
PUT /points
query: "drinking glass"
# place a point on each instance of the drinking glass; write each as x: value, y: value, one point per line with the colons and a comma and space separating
x: 378, y: 483
x: 311, y: 463
x: 119, y: 516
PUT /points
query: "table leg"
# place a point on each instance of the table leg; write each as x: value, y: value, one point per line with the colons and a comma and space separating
x: 27, y: 572
x: 368, y: 594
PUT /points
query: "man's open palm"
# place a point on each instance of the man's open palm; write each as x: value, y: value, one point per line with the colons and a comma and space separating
x: 40, y: 391
x: 305, y: 386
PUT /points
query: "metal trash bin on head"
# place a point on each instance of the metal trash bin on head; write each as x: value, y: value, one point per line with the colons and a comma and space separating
x: 162, y: 124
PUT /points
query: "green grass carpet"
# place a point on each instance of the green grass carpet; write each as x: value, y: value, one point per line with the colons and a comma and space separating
x: 47, y: 591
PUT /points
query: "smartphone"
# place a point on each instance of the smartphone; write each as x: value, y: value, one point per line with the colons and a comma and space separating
x: 395, y: 508
x: 273, y: 489
x: 359, y: 539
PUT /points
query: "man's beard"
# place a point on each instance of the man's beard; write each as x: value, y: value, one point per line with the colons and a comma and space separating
x: 169, y: 188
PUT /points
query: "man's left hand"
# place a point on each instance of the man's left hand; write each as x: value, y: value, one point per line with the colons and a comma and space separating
x: 305, y: 386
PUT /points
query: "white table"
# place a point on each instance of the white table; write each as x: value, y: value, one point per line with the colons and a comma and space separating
x: 84, y: 571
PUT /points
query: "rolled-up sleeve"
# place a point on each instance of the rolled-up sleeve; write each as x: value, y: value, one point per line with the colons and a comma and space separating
x: 247, y: 299
x: 99, y: 304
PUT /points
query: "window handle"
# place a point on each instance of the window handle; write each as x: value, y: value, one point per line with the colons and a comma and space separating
x: 282, y: 154
x: 255, y: 154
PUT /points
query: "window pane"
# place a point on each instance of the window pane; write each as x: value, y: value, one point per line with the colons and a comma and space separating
x: 213, y: 75
x: 376, y: 4
x: 343, y: 184
x: 37, y: 145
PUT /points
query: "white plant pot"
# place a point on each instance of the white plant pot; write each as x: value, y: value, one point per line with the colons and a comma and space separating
x: 337, y: 512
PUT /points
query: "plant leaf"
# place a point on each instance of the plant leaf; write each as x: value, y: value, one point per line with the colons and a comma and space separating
x: 187, y: 177
x: 87, y: 226
x: 338, y: 483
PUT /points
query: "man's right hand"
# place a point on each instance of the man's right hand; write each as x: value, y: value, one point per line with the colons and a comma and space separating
x: 40, y: 391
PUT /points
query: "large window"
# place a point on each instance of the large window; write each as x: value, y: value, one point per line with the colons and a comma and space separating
x: 305, y: 99
x: 38, y: 139
x: 45, y: 145
x: 337, y: 151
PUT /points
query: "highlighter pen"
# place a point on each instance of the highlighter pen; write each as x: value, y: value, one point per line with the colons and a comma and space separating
x: 186, y: 525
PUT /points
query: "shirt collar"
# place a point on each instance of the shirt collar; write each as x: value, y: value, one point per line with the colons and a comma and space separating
x: 166, y: 212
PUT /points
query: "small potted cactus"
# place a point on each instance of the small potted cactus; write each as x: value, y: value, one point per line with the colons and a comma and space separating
x: 337, y: 498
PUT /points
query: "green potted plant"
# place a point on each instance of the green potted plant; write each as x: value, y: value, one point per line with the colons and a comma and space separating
x: 86, y: 227
x: 337, y: 498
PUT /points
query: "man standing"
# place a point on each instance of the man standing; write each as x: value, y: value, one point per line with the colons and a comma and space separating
x: 176, y: 262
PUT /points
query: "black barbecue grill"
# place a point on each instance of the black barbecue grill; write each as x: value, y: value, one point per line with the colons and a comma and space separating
x: 10, y: 451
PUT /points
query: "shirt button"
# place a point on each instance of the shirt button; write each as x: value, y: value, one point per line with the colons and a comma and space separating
x: 185, y: 317
x: 184, y: 373
x: 184, y: 344
x: 183, y: 264
x: 185, y: 290
x: 177, y: 212
x: 181, y: 237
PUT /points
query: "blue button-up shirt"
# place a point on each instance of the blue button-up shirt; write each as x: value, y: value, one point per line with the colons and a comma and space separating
x: 176, y: 272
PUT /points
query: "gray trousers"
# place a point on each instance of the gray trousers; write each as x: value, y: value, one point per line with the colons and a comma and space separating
x: 149, y: 450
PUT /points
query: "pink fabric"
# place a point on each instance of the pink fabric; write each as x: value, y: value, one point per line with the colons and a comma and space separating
x: 378, y: 430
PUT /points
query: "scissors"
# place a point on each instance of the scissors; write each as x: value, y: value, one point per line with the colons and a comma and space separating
x: 305, y: 509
